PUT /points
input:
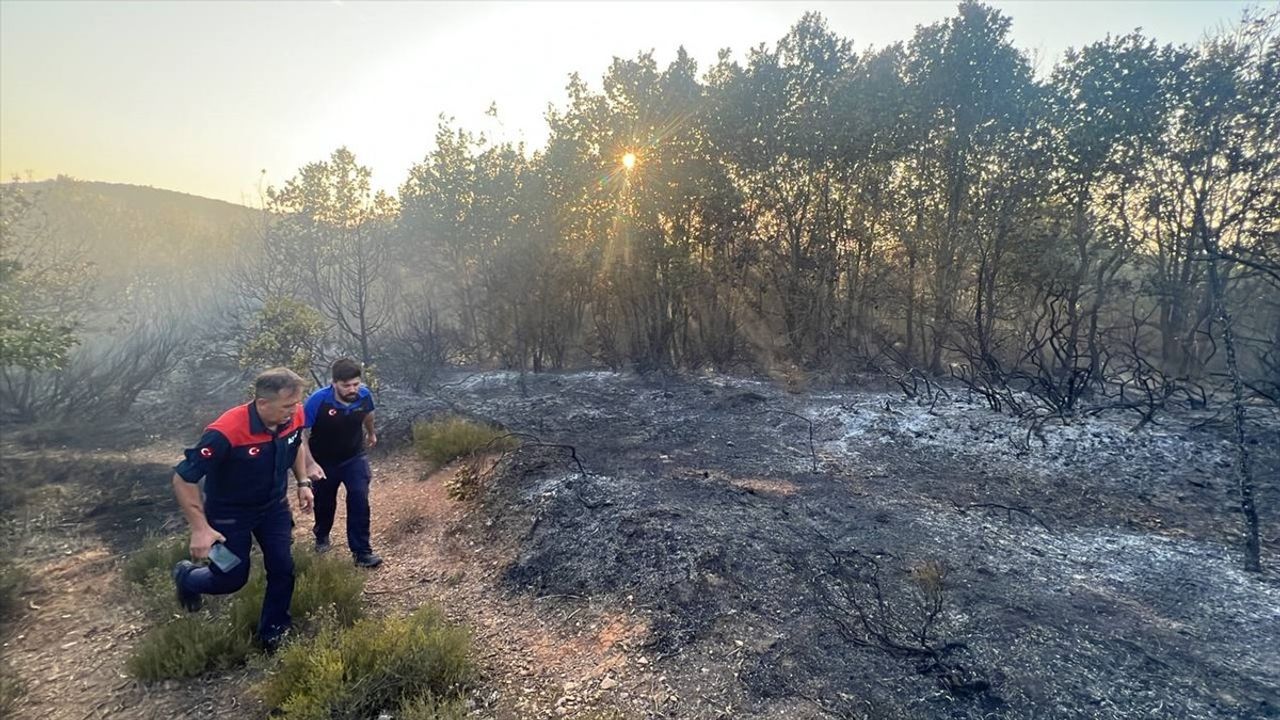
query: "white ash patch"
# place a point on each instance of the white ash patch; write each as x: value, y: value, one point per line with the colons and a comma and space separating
x: 741, y: 383
x: 548, y: 487
x: 1190, y: 587
x: 1087, y: 444
x: 488, y: 380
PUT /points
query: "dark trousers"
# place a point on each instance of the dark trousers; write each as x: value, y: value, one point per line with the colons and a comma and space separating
x: 272, y: 526
x: 355, y: 475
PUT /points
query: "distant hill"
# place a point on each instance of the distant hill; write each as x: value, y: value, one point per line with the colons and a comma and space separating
x: 136, y: 234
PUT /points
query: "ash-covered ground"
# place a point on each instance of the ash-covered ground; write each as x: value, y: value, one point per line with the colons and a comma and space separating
x: 848, y: 553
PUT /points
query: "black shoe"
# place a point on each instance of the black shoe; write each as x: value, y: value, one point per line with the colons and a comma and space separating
x: 368, y: 560
x: 189, y: 601
x: 322, y: 546
x: 272, y: 644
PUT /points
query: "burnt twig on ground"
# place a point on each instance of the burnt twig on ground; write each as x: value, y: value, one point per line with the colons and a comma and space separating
x: 813, y: 453
x: 1009, y: 511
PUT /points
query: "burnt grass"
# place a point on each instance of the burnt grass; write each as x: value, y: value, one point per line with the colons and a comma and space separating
x: 59, y: 501
x: 1089, y: 571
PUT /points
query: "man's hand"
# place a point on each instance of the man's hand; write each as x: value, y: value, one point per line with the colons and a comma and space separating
x: 371, y: 439
x: 202, y: 539
x: 315, y: 472
x: 306, y: 500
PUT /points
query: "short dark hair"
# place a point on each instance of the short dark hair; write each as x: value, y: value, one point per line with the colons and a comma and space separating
x: 345, y: 369
x: 271, y: 383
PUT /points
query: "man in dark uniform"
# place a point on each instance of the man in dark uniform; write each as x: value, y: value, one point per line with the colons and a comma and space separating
x: 339, y: 421
x: 245, y: 457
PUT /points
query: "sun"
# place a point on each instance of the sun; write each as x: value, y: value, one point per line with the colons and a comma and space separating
x: 629, y: 160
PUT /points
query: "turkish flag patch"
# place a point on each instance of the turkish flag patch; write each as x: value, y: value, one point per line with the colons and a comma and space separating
x: 206, y: 452
x: 333, y: 411
x: 254, y: 451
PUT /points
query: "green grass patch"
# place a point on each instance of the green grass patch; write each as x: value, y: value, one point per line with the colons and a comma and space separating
x: 11, y: 691
x: 433, y: 708
x: 188, y: 646
x: 221, y: 636
x: 416, y: 666
x: 443, y: 441
x: 13, y: 582
x: 157, y: 555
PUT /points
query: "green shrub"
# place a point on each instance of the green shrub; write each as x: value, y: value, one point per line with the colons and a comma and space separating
x: 14, y: 495
x: 11, y: 690
x: 188, y: 646
x: 442, y: 441
x: 324, y: 582
x: 375, y: 665
x: 432, y: 708
x: 222, y: 636
x: 157, y: 555
x: 149, y: 570
x: 328, y: 581
x: 13, y: 582
x: 285, y: 332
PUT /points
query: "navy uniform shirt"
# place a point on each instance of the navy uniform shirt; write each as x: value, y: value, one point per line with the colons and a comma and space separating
x: 244, y: 463
x: 337, y: 429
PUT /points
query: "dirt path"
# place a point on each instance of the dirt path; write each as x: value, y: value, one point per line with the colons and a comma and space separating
x: 81, y: 513
x: 70, y: 644
x: 538, y: 658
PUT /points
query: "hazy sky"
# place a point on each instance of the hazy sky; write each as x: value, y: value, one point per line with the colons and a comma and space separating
x: 200, y: 96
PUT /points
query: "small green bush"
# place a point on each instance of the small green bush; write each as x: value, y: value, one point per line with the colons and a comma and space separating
x: 15, y: 495
x: 13, y: 582
x: 149, y: 570
x: 442, y: 441
x: 324, y: 582
x: 416, y: 663
x: 222, y: 636
x: 433, y: 708
x: 188, y: 646
x: 157, y: 555
x: 11, y: 691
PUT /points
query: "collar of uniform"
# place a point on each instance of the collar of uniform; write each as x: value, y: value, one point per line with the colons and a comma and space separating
x: 257, y: 427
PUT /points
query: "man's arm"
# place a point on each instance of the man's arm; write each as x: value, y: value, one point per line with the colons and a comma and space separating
x: 202, y: 535
x: 311, y: 468
x: 310, y: 409
x: 197, y: 462
x: 300, y: 462
x: 370, y: 436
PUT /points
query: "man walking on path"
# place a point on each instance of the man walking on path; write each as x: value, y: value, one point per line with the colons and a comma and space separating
x: 339, y: 421
x: 245, y: 457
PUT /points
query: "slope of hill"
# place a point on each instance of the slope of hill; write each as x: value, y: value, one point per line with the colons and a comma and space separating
x: 136, y: 234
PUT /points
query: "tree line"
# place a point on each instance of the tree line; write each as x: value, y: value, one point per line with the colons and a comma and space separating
x: 932, y: 205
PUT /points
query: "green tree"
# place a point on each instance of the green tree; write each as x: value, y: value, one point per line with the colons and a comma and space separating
x: 340, y: 231
x: 285, y: 332
x: 44, y: 290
